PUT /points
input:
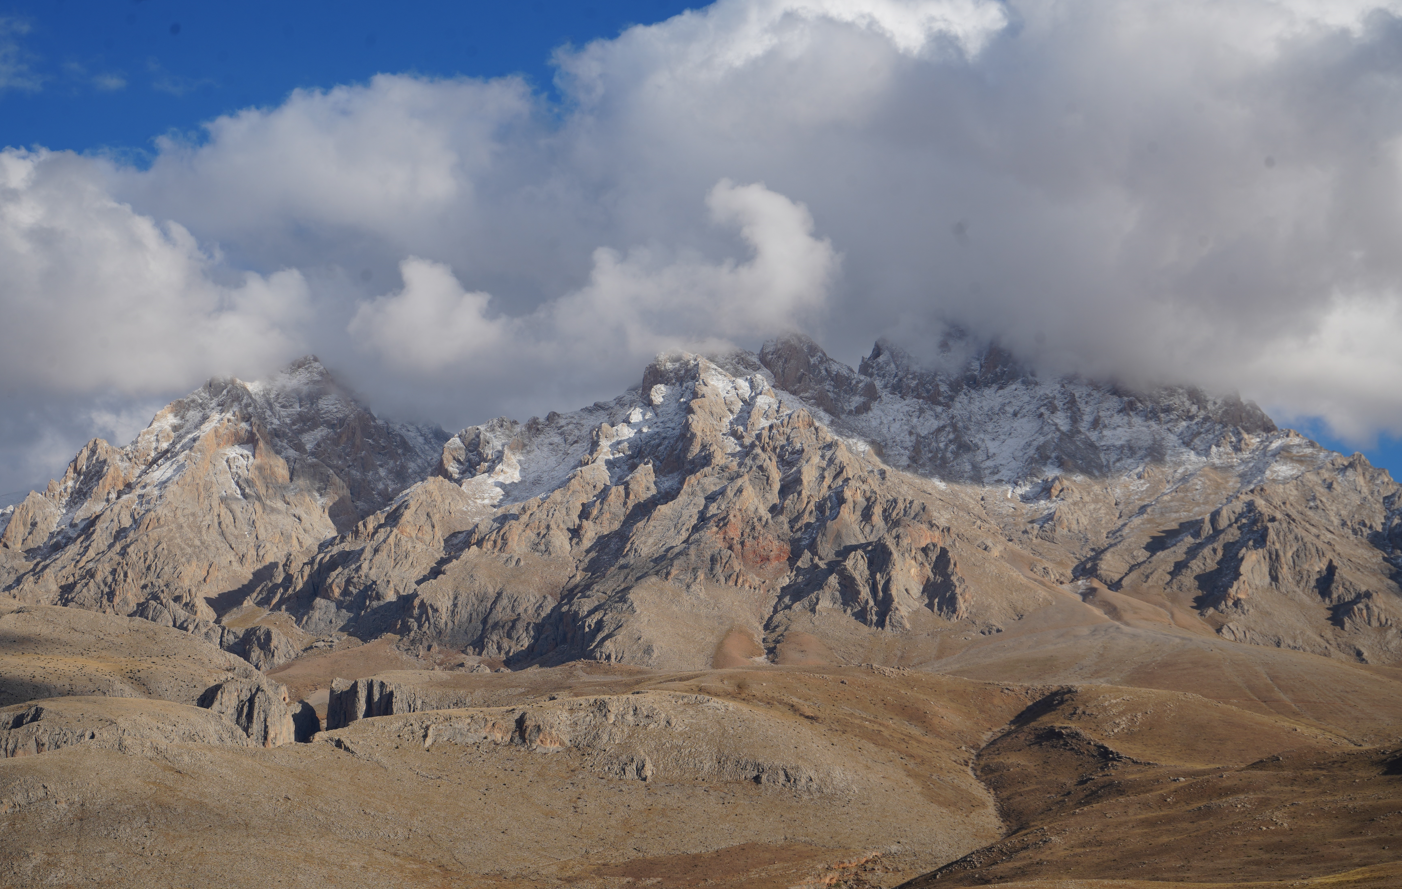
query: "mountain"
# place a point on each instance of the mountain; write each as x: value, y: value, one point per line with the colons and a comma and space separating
x: 762, y: 620
x: 222, y: 483
x: 742, y: 508
x: 682, y: 523
x: 986, y: 419
x: 1197, y: 504
x: 710, y: 516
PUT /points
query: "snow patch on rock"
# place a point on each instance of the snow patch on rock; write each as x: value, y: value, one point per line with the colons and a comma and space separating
x: 503, y: 462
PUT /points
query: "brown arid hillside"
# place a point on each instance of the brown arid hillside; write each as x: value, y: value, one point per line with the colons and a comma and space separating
x: 763, y: 620
x: 596, y: 775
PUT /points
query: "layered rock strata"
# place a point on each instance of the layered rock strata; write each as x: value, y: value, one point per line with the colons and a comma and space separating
x: 726, y: 511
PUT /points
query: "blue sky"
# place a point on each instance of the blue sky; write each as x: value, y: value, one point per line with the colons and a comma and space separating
x: 473, y: 209
x: 116, y: 73
x: 1383, y: 450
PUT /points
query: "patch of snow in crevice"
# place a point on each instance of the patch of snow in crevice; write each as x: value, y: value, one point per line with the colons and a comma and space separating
x: 859, y: 446
x: 314, y: 437
x: 238, y: 462
x: 483, y: 491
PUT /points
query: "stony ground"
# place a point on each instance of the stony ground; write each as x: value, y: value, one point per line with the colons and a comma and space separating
x: 762, y: 778
x: 593, y: 775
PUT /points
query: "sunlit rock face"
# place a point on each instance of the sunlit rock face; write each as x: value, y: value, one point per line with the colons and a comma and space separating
x: 725, y: 504
x: 718, y: 513
x: 223, y: 482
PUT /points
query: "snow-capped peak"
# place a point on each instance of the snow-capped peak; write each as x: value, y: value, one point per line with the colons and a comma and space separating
x: 978, y: 415
x: 503, y: 461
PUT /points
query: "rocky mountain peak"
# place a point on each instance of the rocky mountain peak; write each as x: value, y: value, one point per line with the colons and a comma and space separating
x: 304, y: 386
x: 801, y: 367
x: 221, y: 483
x: 959, y: 364
x: 724, y: 505
x: 688, y: 408
x: 478, y: 449
x: 302, y: 371
x: 975, y: 413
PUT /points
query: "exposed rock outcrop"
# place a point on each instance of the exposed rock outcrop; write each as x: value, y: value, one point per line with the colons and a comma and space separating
x: 258, y: 707
x: 350, y: 701
x: 265, y: 647
x: 129, y: 725
x: 642, y: 736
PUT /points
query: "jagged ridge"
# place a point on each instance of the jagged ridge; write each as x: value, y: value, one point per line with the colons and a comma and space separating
x: 742, y: 507
x: 990, y: 420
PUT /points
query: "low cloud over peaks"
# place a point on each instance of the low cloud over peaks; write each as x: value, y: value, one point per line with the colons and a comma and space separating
x: 1190, y: 191
x: 633, y: 306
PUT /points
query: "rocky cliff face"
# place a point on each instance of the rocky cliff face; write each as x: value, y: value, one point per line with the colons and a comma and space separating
x: 222, y: 483
x: 1303, y: 562
x: 258, y: 707
x: 693, y: 520
x: 1179, y: 498
x: 777, y: 507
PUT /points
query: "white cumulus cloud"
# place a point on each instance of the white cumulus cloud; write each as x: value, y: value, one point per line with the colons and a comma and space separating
x: 98, y: 297
x: 633, y: 305
x: 1194, y: 191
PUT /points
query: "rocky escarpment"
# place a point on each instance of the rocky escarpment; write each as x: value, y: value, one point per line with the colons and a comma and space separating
x: 261, y: 710
x: 223, y: 483
x: 128, y: 725
x: 353, y: 700
x: 642, y: 736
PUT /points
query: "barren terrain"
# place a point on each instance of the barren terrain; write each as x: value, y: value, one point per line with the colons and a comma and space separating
x: 1279, y: 768
x: 760, y: 621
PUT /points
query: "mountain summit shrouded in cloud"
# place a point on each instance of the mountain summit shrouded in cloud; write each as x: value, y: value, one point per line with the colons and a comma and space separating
x: 1192, y: 192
